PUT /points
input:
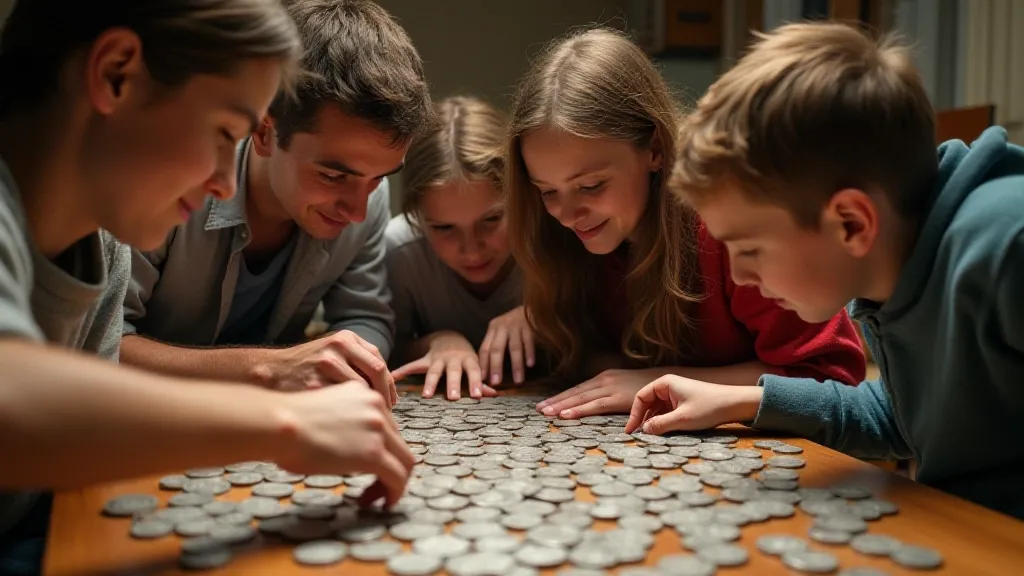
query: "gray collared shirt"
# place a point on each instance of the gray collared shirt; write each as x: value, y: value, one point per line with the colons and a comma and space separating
x: 181, y: 293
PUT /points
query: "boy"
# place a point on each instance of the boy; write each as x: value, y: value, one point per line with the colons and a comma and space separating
x: 307, y: 224
x: 123, y: 113
x: 814, y: 161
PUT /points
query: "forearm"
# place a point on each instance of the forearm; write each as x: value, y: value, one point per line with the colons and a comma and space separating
x: 71, y: 420
x: 742, y: 374
x: 227, y: 364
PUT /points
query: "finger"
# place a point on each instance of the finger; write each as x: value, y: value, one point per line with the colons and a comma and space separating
x: 433, y: 377
x: 454, y: 379
x: 371, y: 364
x: 592, y: 408
x: 391, y: 474
x: 515, y: 355
x: 484, y: 354
x: 641, y: 404
x: 332, y: 369
x: 593, y: 393
x: 497, y: 364
x: 663, y: 423
x: 394, y: 392
x: 487, y: 391
x: 418, y: 366
x: 395, y: 445
x: 589, y: 384
x: 375, y: 492
x: 474, y: 376
x: 529, y: 348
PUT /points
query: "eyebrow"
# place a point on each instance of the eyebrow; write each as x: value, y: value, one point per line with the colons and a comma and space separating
x: 732, y: 236
x: 341, y: 167
x: 497, y: 210
x: 249, y: 113
x: 584, y: 172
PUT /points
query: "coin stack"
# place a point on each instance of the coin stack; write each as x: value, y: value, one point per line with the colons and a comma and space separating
x: 494, y: 493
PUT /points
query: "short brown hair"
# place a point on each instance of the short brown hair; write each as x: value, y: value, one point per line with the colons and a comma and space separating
x: 359, y: 59
x: 466, y: 143
x: 180, y: 38
x: 812, y: 109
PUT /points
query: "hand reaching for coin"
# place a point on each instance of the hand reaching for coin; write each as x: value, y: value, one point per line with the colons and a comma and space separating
x: 339, y: 357
x: 677, y: 403
x: 449, y: 355
x: 512, y: 331
x: 347, y: 429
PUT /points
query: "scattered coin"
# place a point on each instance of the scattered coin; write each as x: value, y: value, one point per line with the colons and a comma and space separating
x: 374, y: 551
x: 779, y: 544
x: 829, y: 536
x: 810, y: 561
x: 504, y: 544
x: 319, y: 552
x: 131, y: 504
x: 917, y: 557
x: 244, y: 478
x: 685, y: 565
x: 414, y: 565
x: 173, y: 482
x: 148, y: 529
x: 538, y: 556
x: 204, y: 472
x: 205, y: 560
x: 323, y: 481
x: 441, y: 546
x: 875, y: 544
x: 724, y: 555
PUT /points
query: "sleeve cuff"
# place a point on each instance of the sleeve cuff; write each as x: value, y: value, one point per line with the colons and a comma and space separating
x: 793, y: 405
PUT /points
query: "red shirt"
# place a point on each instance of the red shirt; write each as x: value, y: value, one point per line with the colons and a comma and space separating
x: 736, y: 324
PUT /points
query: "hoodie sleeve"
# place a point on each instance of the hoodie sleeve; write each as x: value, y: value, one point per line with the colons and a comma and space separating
x: 856, y: 420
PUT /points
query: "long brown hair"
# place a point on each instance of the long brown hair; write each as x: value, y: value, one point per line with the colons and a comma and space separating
x: 599, y: 84
x: 466, y: 143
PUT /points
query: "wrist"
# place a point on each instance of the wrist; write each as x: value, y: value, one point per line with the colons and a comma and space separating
x: 746, y: 401
x: 263, y: 367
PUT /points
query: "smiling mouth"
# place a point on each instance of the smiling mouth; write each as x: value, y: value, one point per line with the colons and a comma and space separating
x: 590, y: 232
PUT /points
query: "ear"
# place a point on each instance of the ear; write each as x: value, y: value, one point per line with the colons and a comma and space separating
x: 657, y: 151
x: 114, y: 70
x: 264, y: 139
x: 851, y: 215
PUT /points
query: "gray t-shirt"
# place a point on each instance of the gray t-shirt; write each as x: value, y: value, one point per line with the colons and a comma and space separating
x: 427, y: 295
x: 255, y: 297
x: 76, y: 304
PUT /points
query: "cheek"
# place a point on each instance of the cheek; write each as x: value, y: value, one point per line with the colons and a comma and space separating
x: 446, y: 248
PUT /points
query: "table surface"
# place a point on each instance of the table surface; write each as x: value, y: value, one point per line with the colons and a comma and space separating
x: 973, y: 540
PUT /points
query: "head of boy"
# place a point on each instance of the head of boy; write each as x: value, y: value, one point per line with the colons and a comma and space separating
x: 812, y: 160
x: 453, y: 188
x: 140, y: 104
x: 360, y: 100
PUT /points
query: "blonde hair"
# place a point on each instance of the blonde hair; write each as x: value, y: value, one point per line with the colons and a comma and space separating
x: 466, y: 143
x: 599, y: 84
x: 813, y: 108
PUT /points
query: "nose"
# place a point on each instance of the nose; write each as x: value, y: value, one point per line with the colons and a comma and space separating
x: 223, y: 184
x: 570, y: 211
x: 353, y: 205
x: 743, y: 275
x: 472, y: 245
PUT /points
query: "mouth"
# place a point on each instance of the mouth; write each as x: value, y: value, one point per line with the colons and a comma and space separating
x: 184, y: 208
x: 476, y: 267
x: 586, y: 233
x: 333, y: 222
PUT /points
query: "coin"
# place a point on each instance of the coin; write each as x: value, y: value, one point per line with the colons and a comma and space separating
x: 414, y: 565
x: 875, y: 544
x: 917, y: 557
x: 374, y: 551
x: 724, y: 555
x: 480, y: 564
x: 148, y: 529
x: 173, y: 482
x: 810, y: 561
x: 441, y: 546
x: 779, y: 544
x: 539, y: 556
x: 131, y: 504
x: 685, y: 565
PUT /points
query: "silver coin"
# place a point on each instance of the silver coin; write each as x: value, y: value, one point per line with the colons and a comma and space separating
x: 698, y: 468
x: 535, y: 507
x: 317, y: 497
x: 206, y: 560
x: 636, y: 462
x: 666, y: 461
x: 441, y: 546
x: 580, y: 572
x: 173, y: 482
x: 636, y: 477
x: 884, y: 506
x: 457, y: 471
x: 496, y: 474
x: 719, y: 532
x: 593, y: 555
x: 875, y: 544
x: 261, y: 507
x: 771, y: 484
x: 470, y: 486
x: 818, y: 494
x: 478, y: 514
x: 474, y: 530
x: 786, y: 462
x: 148, y: 529
x: 316, y: 512
x: 812, y: 561
x: 204, y: 472
x: 661, y: 506
x: 448, y: 502
x: 440, y: 460
x: 414, y: 565
x: 195, y: 528
x: 615, y: 488
x: 865, y: 510
x: 480, y: 564
x: 554, y: 472
x: 429, y: 516
x: 319, y: 553
x: 220, y: 507
x: 243, y: 466
x: 844, y: 523
x: 679, y: 483
x: 555, y: 536
x: 697, y: 516
x: 376, y: 551
x: 767, y: 444
x: 917, y: 557
x: 780, y: 474
x: 716, y: 455
x: 244, y: 478
x: 323, y: 481
x: 585, y: 443
x: 829, y: 536
x: 574, y: 519
x: 606, y: 511
x: 409, y: 531
x: 307, y: 530
x: 851, y: 492
x: 643, y: 523
x: 233, y: 535
x: 201, y: 545
x: 555, y: 495
x: 521, y: 521
x: 724, y: 555
x: 190, y: 499
x: 424, y: 490
x: 862, y: 571
x: 131, y: 504
x: 685, y: 565
x: 682, y: 441
x: 362, y: 533
x: 651, y: 493
x: 576, y: 507
x: 504, y: 544
x: 272, y: 490
x: 779, y: 544
x: 696, y: 498
x: 558, y: 483
x: 214, y: 486
x: 361, y: 480
x: 525, y: 487
x: 538, y: 556
x: 284, y: 477
x: 825, y: 507
x: 178, y: 515
x: 747, y: 453
x: 787, y: 449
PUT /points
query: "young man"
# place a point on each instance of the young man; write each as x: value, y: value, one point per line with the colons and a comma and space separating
x: 122, y: 113
x: 814, y: 161
x: 307, y: 225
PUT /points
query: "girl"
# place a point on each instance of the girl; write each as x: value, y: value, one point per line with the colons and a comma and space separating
x: 454, y: 284
x: 620, y: 280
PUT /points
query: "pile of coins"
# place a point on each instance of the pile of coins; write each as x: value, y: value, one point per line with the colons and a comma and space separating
x: 494, y: 493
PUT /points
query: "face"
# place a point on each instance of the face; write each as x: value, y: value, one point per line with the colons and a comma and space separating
x: 153, y: 154
x: 596, y: 187
x: 464, y: 222
x: 323, y: 180
x: 815, y: 273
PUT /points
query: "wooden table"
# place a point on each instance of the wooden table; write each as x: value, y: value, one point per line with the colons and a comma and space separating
x: 974, y: 541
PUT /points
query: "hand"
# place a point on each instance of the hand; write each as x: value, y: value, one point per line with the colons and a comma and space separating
x: 676, y: 403
x: 338, y: 357
x: 509, y: 330
x: 609, y: 392
x: 450, y: 353
x: 347, y: 429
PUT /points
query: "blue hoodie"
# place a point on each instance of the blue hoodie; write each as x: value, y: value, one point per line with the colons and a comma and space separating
x: 949, y: 343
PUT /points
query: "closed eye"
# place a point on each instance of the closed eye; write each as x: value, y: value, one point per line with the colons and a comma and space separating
x: 333, y: 178
x: 592, y: 188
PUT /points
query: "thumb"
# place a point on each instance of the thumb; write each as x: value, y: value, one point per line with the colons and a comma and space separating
x: 418, y: 366
x: 662, y: 423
